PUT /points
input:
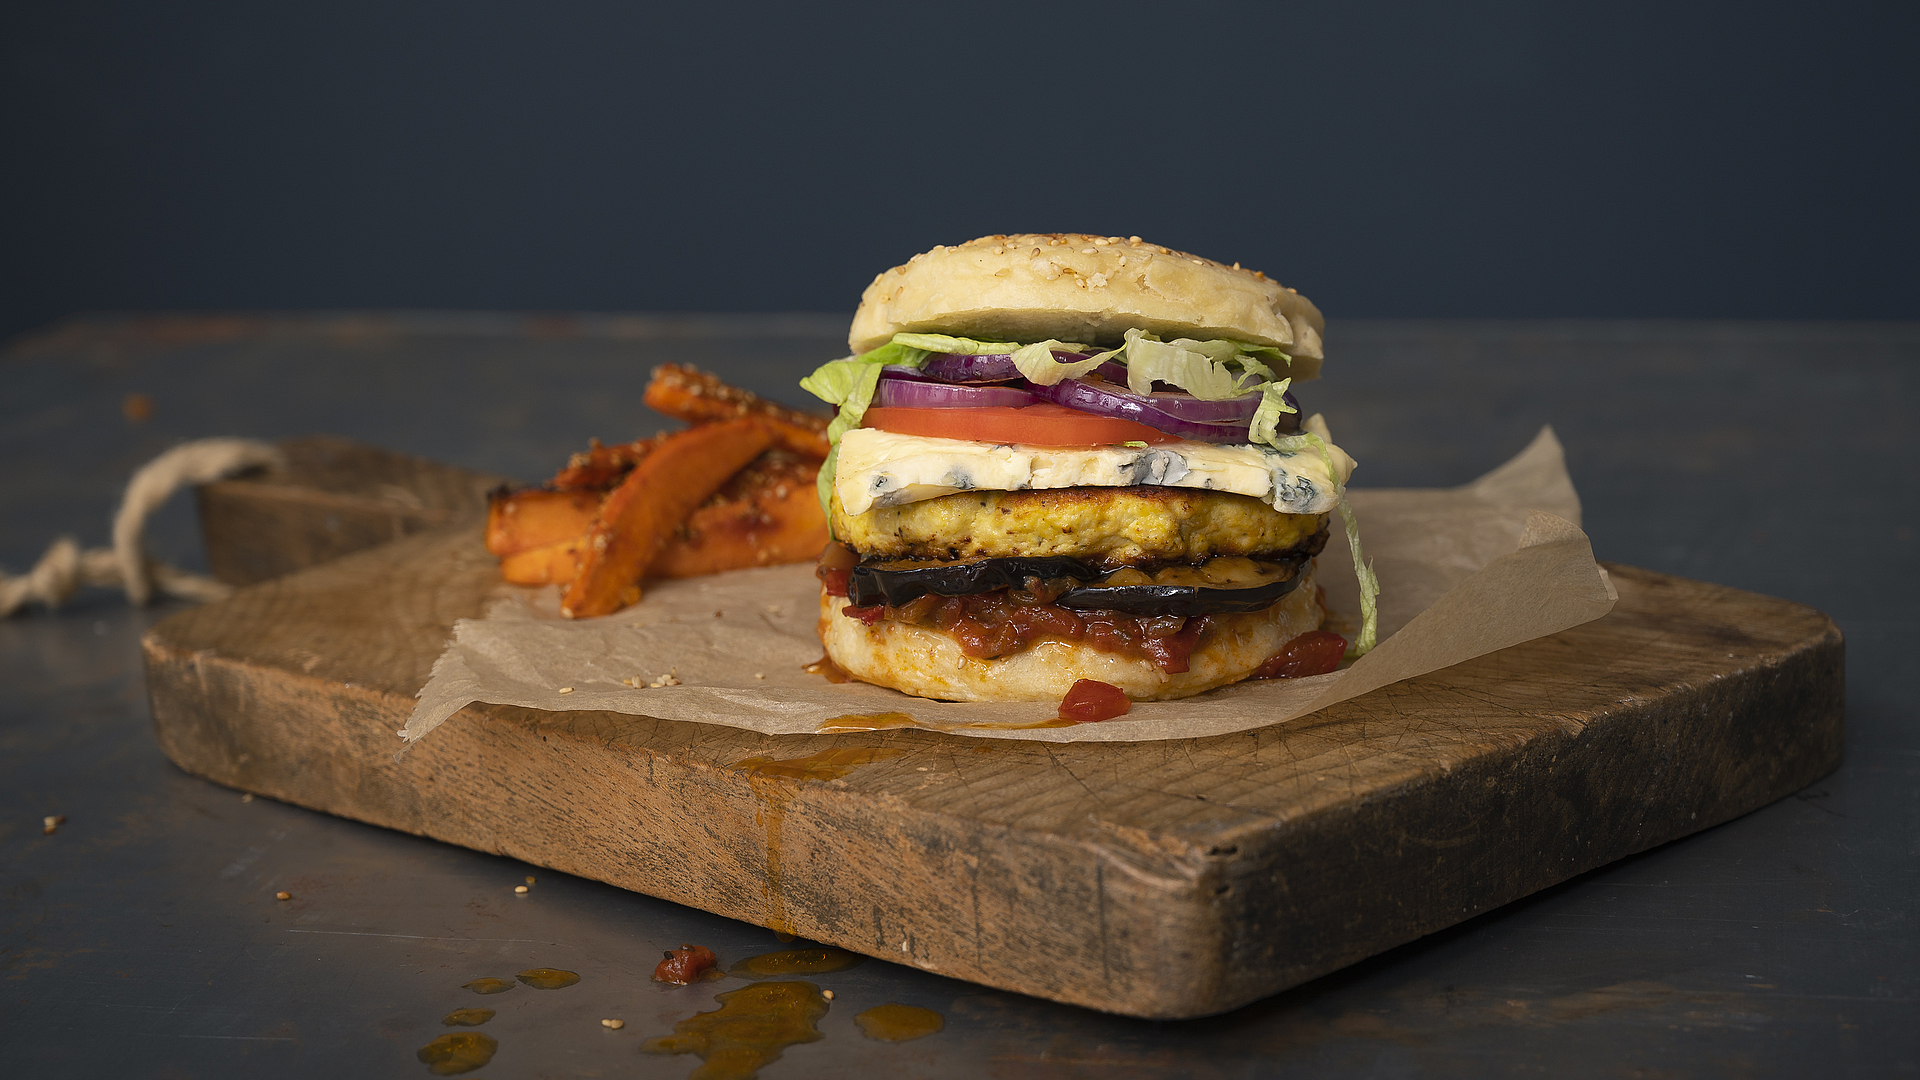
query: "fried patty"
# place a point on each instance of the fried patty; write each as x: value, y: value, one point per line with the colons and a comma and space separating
x: 1108, y: 526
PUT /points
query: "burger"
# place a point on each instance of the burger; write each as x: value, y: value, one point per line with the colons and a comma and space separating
x: 1067, y: 461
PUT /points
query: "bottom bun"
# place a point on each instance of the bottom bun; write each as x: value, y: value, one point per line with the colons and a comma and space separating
x: 927, y: 663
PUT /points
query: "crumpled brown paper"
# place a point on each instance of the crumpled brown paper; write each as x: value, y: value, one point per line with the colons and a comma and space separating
x: 1462, y: 572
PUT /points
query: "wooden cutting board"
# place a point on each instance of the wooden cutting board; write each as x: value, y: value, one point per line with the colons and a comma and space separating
x: 1161, y: 879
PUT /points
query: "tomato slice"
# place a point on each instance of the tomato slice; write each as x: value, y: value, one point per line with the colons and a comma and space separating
x: 1045, y: 424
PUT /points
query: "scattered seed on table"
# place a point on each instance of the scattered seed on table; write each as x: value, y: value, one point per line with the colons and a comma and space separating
x: 283, y: 896
x: 614, y: 1024
x: 521, y: 889
x: 565, y: 690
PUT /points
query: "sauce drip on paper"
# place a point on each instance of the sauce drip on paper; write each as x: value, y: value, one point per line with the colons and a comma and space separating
x: 488, y: 986
x: 749, y: 1031
x: 548, y: 978
x: 894, y: 1022
x: 828, y: 670
x: 467, y: 1017
x: 890, y: 721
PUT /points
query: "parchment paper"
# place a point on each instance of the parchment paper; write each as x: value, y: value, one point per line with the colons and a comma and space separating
x: 1463, y: 572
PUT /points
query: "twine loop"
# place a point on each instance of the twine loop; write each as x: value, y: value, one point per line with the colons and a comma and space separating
x: 66, y: 567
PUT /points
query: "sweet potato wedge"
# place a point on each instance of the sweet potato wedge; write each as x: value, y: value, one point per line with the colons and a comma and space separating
x: 601, y: 468
x: 768, y: 513
x: 642, y: 514
x: 537, y: 517
x: 550, y: 564
x: 700, y: 398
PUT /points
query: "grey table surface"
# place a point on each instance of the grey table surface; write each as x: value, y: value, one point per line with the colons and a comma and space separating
x: 142, y: 939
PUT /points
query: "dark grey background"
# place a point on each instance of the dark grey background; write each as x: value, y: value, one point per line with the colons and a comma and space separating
x: 1485, y: 158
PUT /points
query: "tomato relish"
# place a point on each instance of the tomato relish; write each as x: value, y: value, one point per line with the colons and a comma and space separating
x: 1009, y: 621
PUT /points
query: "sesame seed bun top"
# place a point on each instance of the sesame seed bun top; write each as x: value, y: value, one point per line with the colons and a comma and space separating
x: 1091, y: 289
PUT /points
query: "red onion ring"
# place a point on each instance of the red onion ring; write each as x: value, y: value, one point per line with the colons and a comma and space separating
x: 993, y: 367
x: 916, y: 394
x: 1175, y: 414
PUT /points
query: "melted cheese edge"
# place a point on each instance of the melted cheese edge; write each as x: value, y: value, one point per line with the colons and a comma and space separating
x: 879, y: 468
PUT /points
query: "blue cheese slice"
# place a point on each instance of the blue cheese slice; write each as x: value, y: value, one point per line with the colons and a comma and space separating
x: 879, y: 468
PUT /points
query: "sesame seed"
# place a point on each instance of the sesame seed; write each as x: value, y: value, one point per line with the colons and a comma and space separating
x: 614, y: 1024
x: 529, y: 879
x: 520, y: 889
x: 828, y: 994
x: 52, y: 822
x: 248, y: 797
x: 564, y: 690
x: 283, y: 896
x: 1133, y: 239
x: 759, y: 674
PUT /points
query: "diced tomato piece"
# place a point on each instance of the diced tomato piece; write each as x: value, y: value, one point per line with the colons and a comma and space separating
x: 836, y: 565
x: 1315, y: 652
x: 870, y: 614
x: 684, y: 964
x: 1089, y: 700
x: 1045, y: 424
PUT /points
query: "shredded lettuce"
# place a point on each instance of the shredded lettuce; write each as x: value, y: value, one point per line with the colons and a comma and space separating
x: 1036, y: 362
x: 849, y: 384
x: 1210, y: 370
x: 1266, y: 419
x: 1362, y: 569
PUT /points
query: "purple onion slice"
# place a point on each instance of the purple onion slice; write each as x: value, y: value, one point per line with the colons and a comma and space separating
x: 1166, y: 412
x: 895, y: 390
x: 993, y: 367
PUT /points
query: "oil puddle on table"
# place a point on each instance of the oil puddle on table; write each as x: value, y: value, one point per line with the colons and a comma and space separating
x: 814, y: 961
x: 548, y: 978
x: 457, y: 1053
x: 750, y: 1029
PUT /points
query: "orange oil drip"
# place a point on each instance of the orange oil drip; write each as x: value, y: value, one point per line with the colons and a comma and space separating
x: 815, y: 961
x: 777, y: 781
x: 749, y: 1031
x: 828, y: 670
x: 894, y: 1022
x: 889, y: 721
x: 487, y: 986
x: 460, y: 1052
x: 467, y: 1017
x: 548, y: 978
